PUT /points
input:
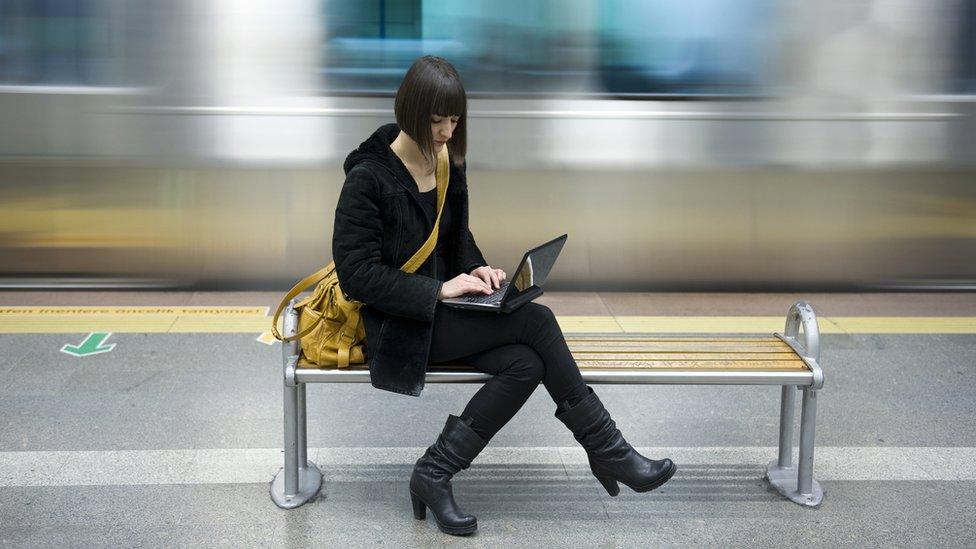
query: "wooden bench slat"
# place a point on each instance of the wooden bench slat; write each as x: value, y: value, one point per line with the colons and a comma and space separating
x: 616, y: 338
x: 632, y: 364
x: 666, y: 353
x: 679, y: 349
x: 691, y: 364
x: 680, y: 343
x: 682, y: 355
x: 627, y: 365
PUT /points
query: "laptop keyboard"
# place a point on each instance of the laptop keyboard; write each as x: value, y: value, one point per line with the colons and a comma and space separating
x: 493, y: 297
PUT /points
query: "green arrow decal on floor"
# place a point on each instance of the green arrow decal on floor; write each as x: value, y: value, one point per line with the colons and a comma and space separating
x: 92, y: 345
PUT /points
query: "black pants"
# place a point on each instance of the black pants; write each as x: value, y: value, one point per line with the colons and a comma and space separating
x: 521, y: 349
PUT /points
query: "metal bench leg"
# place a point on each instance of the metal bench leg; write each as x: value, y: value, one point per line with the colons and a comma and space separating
x: 300, y: 432
x: 787, y: 400
x: 796, y: 483
x: 807, y: 488
x: 299, y: 480
x: 306, y: 468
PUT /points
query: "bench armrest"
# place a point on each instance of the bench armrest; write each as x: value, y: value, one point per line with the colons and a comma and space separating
x: 290, y: 350
x: 809, y: 349
x: 289, y: 327
x: 802, y: 312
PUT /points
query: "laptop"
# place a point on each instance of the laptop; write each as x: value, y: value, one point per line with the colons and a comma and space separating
x: 525, y: 286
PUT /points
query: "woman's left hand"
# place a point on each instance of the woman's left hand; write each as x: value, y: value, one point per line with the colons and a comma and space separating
x: 493, y: 277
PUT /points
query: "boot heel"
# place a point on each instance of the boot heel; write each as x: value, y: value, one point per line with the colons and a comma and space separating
x: 610, y: 484
x: 419, y: 509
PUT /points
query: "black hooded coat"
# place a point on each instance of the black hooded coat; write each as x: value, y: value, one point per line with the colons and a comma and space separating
x: 380, y: 223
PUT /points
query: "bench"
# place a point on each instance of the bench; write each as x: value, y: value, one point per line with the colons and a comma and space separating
x: 788, y: 359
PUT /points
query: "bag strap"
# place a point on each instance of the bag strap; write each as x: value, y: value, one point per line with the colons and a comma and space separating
x: 313, y: 278
x: 443, y: 180
x: 346, y: 340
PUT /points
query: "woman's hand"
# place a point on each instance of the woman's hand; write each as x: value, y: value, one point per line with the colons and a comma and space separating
x: 492, y: 277
x: 463, y: 284
x: 481, y: 280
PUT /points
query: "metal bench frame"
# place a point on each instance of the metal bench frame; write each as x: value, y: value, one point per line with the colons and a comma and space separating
x: 300, y: 480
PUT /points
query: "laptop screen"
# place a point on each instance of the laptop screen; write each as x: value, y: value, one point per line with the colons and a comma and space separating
x: 535, y: 267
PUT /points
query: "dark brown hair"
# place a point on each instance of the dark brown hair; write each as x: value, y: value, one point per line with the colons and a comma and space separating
x: 432, y: 88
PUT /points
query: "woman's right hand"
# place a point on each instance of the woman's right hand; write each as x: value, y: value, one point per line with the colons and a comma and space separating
x: 463, y: 284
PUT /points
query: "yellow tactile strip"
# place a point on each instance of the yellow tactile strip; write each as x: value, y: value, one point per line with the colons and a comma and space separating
x: 134, y: 319
x: 220, y: 319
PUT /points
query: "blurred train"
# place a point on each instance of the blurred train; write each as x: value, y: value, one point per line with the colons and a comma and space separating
x: 697, y: 145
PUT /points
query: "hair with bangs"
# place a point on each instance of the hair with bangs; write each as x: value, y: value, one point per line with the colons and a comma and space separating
x: 432, y: 88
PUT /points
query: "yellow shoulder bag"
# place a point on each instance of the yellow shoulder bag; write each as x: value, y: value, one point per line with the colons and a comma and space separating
x: 329, y: 326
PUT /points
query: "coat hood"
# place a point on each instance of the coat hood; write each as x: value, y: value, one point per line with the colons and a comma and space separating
x: 376, y: 147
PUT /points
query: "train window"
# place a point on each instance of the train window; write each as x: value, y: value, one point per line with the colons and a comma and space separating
x: 369, y: 45
x: 662, y: 47
x: 966, y: 51
x: 62, y: 42
x: 636, y: 48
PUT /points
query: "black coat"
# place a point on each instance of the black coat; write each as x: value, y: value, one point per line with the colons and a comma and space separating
x: 380, y: 223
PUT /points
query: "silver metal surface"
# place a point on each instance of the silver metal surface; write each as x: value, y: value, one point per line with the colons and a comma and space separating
x: 299, y: 480
x: 629, y: 377
x: 301, y: 439
x: 808, y: 423
x: 787, y: 402
x: 809, y: 349
x: 290, y: 322
x: 783, y: 480
x: 310, y: 482
x: 291, y: 466
x: 797, y: 483
x: 802, y: 313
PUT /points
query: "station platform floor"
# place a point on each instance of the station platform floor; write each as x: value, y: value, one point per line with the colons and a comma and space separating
x: 154, y: 419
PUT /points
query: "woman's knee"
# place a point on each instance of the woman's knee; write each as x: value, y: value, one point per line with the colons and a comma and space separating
x: 538, y: 314
x: 525, y: 364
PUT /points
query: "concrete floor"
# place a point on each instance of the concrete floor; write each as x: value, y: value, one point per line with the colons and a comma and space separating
x: 171, y: 438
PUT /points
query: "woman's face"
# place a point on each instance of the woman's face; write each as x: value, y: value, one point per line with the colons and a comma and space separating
x: 441, y: 129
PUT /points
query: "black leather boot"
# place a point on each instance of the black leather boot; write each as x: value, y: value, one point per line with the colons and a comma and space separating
x: 430, y: 484
x: 611, y: 458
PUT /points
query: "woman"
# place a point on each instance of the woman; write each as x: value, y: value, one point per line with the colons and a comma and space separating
x: 385, y: 212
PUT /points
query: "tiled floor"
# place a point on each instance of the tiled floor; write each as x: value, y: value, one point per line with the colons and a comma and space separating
x: 170, y: 440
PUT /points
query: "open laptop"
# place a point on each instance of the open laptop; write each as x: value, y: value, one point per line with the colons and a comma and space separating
x: 525, y: 286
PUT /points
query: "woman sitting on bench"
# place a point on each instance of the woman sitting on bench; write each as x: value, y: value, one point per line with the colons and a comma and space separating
x: 385, y: 212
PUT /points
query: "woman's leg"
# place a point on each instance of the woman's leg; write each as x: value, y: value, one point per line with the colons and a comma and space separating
x: 517, y: 372
x: 459, y: 333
